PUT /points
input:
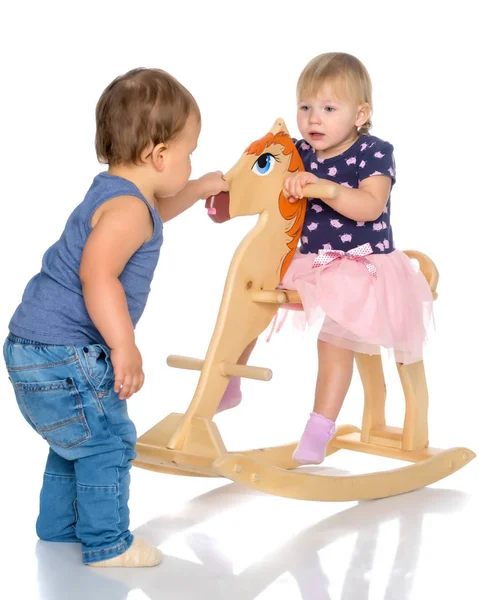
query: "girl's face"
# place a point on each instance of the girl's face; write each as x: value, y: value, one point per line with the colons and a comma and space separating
x: 329, y: 121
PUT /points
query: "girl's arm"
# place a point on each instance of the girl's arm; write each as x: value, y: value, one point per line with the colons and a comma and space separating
x: 365, y: 203
x: 208, y: 185
x: 123, y: 226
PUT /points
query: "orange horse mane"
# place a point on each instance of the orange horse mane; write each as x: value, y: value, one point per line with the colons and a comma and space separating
x: 292, y: 211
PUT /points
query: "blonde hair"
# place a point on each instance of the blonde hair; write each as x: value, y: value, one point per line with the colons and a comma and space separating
x: 340, y: 70
x: 140, y: 107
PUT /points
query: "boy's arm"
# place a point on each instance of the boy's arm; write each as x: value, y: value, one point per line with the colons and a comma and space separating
x: 124, y: 225
x: 208, y: 185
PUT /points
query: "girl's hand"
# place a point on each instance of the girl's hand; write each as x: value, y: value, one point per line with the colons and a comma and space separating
x: 128, y: 367
x: 212, y: 184
x: 295, y: 183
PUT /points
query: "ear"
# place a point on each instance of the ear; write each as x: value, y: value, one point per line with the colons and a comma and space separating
x: 155, y: 154
x: 279, y: 125
x: 364, y: 112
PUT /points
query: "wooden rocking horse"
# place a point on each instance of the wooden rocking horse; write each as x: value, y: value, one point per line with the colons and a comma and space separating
x: 190, y: 443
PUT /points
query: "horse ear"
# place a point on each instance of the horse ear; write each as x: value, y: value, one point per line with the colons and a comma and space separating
x: 279, y: 125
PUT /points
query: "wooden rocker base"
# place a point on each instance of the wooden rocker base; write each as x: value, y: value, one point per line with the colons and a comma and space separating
x: 345, y: 488
x: 269, y: 470
x: 153, y: 457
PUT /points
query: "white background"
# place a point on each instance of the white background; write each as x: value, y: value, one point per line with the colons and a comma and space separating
x: 241, y: 62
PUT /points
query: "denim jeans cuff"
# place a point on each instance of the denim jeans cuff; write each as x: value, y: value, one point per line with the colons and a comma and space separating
x: 93, y: 556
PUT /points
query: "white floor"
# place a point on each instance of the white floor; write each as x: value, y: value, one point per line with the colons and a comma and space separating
x: 223, y: 541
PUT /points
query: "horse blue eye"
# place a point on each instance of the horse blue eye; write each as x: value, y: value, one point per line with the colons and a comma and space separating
x: 264, y: 165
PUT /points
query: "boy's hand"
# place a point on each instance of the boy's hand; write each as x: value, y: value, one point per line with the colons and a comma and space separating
x: 295, y: 183
x: 128, y: 367
x: 212, y: 184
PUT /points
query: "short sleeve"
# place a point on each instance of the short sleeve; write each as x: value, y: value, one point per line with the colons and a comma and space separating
x: 377, y: 158
x: 305, y: 151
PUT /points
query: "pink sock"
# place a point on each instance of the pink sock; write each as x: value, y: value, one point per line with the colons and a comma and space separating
x: 312, y: 445
x: 232, y: 396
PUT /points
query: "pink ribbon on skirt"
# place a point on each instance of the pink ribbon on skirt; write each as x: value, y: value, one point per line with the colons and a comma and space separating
x: 325, y: 257
x: 358, y: 254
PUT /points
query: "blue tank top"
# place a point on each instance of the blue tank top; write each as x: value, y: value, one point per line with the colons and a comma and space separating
x: 52, y: 310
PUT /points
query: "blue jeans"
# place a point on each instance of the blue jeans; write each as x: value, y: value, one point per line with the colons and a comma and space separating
x: 66, y: 394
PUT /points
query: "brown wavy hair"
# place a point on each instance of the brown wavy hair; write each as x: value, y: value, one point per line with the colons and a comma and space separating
x: 138, y: 108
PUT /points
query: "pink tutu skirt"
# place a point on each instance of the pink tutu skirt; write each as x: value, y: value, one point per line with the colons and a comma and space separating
x: 362, y: 311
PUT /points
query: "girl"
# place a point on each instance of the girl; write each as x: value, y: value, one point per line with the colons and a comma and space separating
x: 363, y: 292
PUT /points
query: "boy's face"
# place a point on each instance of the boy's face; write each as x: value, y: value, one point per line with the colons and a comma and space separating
x: 177, y: 163
x: 328, y: 121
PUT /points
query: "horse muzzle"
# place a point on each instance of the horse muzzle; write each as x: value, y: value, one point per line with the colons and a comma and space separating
x: 219, y: 207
